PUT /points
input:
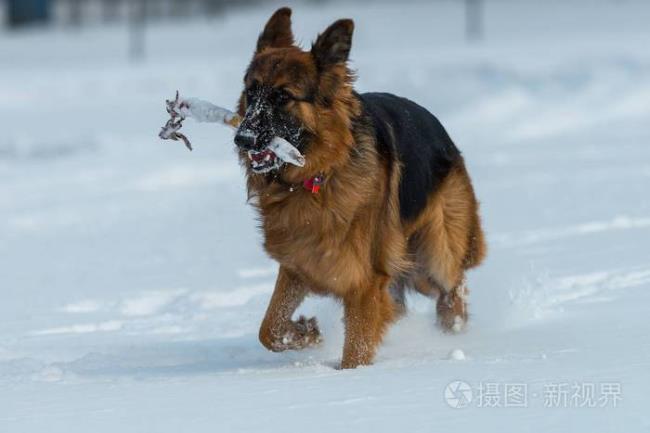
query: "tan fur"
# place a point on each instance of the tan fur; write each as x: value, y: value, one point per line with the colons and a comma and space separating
x: 446, y: 237
x: 348, y: 241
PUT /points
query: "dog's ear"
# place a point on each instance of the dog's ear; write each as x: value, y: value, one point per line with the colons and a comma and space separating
x: 277, y: 32
x: 333, y: 45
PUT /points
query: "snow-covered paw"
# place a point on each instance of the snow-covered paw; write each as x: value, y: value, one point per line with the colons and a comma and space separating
x: 297, y: 335
x: 307, y: 332
x: 453, y: 324
x: 452, y: 313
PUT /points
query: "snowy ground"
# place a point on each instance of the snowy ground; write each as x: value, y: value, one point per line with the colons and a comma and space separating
x: 133, y: 280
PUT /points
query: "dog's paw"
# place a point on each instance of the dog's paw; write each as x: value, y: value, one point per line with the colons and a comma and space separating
x: 307, y: 330
x: 452, y: 313
x: 452, y: 323
x: 298, y: 335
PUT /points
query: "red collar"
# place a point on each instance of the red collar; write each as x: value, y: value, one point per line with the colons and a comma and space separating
x: 314, y: 183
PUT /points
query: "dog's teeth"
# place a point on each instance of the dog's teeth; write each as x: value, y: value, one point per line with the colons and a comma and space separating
x: 267, y: 157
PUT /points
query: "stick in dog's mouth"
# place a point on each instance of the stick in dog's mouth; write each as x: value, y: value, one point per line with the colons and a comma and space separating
x: 279, y: 150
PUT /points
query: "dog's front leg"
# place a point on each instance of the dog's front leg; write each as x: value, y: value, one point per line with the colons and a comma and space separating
x: 278, y: 332
x: 367, y: 315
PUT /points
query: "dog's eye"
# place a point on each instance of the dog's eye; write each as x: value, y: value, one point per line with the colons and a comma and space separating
x: 250, y: 96
x: 282, y: 96
x: 252, y: 93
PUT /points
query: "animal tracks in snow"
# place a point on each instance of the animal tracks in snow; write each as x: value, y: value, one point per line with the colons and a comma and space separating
x: 171, y: 311
x: 551, y: 295
x: 530, y: 237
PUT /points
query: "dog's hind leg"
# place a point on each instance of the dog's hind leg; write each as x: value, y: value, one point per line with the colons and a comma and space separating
x: 445, y: 243
x: 451, y: 305
x: 447, y: 280
x: 278, y: 332
x: 452, y: 308
x: 423, y: 284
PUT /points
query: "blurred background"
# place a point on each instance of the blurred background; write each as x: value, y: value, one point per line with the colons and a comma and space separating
x: 128, y: 258
x: 18, y: 14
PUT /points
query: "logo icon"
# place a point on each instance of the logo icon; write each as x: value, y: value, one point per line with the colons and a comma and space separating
x: 458, y: 394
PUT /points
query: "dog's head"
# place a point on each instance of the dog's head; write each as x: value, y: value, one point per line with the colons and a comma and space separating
x: 297, y: 95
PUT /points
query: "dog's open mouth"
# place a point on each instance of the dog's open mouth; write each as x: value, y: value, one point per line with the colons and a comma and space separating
x: 274, y: 155
x: 264, y: 161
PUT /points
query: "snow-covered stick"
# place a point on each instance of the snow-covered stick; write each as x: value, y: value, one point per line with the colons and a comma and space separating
x: 180, y: 109
x: 201, y: 111
x: 286, y: 152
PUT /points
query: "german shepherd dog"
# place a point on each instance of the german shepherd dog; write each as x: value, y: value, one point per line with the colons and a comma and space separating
x: 383, y: 202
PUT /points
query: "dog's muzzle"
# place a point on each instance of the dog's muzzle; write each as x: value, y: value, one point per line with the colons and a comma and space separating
x: 245, y: 141
x: 261, y: 158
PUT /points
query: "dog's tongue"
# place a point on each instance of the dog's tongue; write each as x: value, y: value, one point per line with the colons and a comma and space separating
x: 261, y: 156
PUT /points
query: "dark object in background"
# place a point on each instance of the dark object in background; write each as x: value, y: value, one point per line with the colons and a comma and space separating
x: 25, y: 12
x: 474, y: 18
x: 137, y: 21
